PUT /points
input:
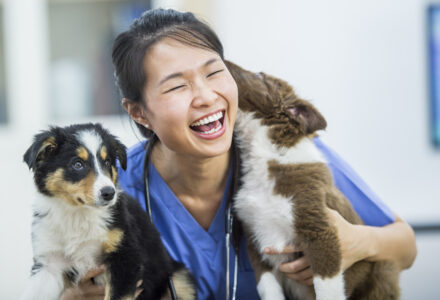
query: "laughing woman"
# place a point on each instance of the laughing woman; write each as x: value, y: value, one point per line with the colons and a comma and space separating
x: 175, y: 85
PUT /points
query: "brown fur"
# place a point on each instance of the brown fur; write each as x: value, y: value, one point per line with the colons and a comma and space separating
x: 73, y: 193
x: 310, y: 186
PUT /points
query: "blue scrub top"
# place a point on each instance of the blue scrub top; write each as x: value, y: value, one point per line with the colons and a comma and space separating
x: 203, y: 252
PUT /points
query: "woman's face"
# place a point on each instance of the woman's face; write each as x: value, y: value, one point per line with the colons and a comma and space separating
x: 191, y: 99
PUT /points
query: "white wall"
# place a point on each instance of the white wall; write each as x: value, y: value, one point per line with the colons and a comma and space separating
x: 363, y: 63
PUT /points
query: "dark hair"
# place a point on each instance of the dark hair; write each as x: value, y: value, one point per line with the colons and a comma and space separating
x: 131, y: 46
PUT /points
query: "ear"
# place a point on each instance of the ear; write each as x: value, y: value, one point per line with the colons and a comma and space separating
x: 309, y: 118
x: 121, y: 152
x: 135, y: 110
x: 41, y: 149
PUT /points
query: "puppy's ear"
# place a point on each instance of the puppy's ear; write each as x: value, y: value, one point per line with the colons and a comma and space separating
x: 121, y: 152
x: 308, y: 117
x: 41, y: 149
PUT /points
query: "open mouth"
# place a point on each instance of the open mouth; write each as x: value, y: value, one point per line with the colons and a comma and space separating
x: 209, y: 125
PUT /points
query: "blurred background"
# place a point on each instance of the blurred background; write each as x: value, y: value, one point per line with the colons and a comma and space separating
x: 369, y: 66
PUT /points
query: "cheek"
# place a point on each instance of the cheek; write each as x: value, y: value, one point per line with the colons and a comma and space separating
x: 74, y: 193
x: 169, y: 114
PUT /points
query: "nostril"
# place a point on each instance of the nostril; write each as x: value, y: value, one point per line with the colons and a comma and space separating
x: 107, y: 193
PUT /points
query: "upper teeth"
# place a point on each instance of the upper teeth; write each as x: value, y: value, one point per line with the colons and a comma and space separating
x: 209, y: 119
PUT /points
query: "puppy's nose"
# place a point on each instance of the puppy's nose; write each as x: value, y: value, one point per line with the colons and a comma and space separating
x: 107, y: 193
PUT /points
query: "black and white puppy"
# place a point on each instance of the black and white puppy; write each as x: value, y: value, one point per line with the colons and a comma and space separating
x: 81, y: 219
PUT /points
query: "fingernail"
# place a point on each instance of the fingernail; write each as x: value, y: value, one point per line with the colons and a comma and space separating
x: 102, y: 267
x: 139, y: 283
x: 267, y: 250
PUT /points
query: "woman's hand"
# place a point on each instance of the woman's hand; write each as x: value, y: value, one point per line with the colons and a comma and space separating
x: 299, y: 269
x: 352, y: 240
x: 87, y: 290
x: 394, y: 242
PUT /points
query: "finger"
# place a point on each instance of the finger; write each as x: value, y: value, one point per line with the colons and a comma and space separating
x: 138, y: 292
x: 94, y: 290
x: 308, y: 281
x: 295, y: 266
x: 139, y: 283
x: 301, y: 276
x: 93, y: 273
x: 286, y: 250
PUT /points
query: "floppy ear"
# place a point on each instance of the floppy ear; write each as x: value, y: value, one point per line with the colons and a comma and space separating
x: 43, y: 146
x: 121, y: 152
x: 309, y: 118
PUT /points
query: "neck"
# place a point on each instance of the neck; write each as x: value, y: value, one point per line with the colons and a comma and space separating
x: 190, y: 176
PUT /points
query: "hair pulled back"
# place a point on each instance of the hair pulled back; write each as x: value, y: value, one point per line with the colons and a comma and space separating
x: 131, y: 46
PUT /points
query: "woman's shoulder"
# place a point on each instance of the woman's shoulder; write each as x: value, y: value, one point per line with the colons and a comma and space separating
x: 132, y: 175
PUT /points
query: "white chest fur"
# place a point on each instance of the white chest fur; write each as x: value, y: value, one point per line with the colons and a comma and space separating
x: 65, y: 236
x: 268, y: 217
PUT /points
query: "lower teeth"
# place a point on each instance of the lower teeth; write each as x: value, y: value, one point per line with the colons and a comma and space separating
x: 213, y: 130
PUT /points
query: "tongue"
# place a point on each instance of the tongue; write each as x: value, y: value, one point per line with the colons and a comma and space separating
x: 206, y: 127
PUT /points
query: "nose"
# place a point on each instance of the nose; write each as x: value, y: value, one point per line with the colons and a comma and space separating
x: 204, y: 94
x: 107, y: 193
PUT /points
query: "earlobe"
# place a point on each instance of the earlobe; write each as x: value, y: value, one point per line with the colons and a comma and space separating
x: 136, y: 111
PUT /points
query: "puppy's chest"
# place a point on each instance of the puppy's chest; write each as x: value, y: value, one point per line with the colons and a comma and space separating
x: 74, y: 238
x: 268, y: 215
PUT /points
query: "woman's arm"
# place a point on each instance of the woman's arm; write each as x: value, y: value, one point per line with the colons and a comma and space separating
x: 394, y: 242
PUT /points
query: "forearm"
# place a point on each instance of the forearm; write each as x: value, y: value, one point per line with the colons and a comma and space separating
x: 395, y: 242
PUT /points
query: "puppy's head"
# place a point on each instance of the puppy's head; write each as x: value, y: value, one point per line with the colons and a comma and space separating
x: 275, y: 102
x: 77, y: 164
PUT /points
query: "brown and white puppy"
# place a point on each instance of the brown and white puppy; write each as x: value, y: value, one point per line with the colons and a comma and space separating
x: 286, y: 187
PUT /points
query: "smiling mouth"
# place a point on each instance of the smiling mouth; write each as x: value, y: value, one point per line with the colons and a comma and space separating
x: 210, y: 124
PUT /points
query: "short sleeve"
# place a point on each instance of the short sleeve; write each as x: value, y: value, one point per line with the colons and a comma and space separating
x: 365, y: 202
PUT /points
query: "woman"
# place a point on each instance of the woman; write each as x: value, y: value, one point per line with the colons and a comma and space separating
x: 170, y: 69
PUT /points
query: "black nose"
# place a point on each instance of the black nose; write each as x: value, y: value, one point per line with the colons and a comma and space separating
x: 107, y: 193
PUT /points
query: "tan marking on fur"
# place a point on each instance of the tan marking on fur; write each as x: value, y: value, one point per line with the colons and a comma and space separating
x: 82, y: 153
x: 79, y: 193
x: 114, y: 174
x: 183, y: 285
x: 114, y: 238
x: 49, y: 142
x: 103, y: 152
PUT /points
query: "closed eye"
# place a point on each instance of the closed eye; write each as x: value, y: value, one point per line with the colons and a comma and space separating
x: 174, y: 88
x: 215, y: 72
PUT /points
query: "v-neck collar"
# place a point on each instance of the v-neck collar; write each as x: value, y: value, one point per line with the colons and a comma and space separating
x: 206, y: 239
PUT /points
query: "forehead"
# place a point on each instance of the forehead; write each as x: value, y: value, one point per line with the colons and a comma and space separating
x: 170, y: 56
x: 90, y: 142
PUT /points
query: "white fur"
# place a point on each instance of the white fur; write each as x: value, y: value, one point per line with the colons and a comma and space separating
x: 269, y: 288
x: 67, y: 236
x: 329, y: 288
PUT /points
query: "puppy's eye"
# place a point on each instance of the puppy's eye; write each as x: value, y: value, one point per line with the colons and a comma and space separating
x: 107, y: 163
x: 78, y: 165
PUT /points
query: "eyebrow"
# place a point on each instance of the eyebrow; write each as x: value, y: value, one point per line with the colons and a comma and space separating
x: 179, y: 74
